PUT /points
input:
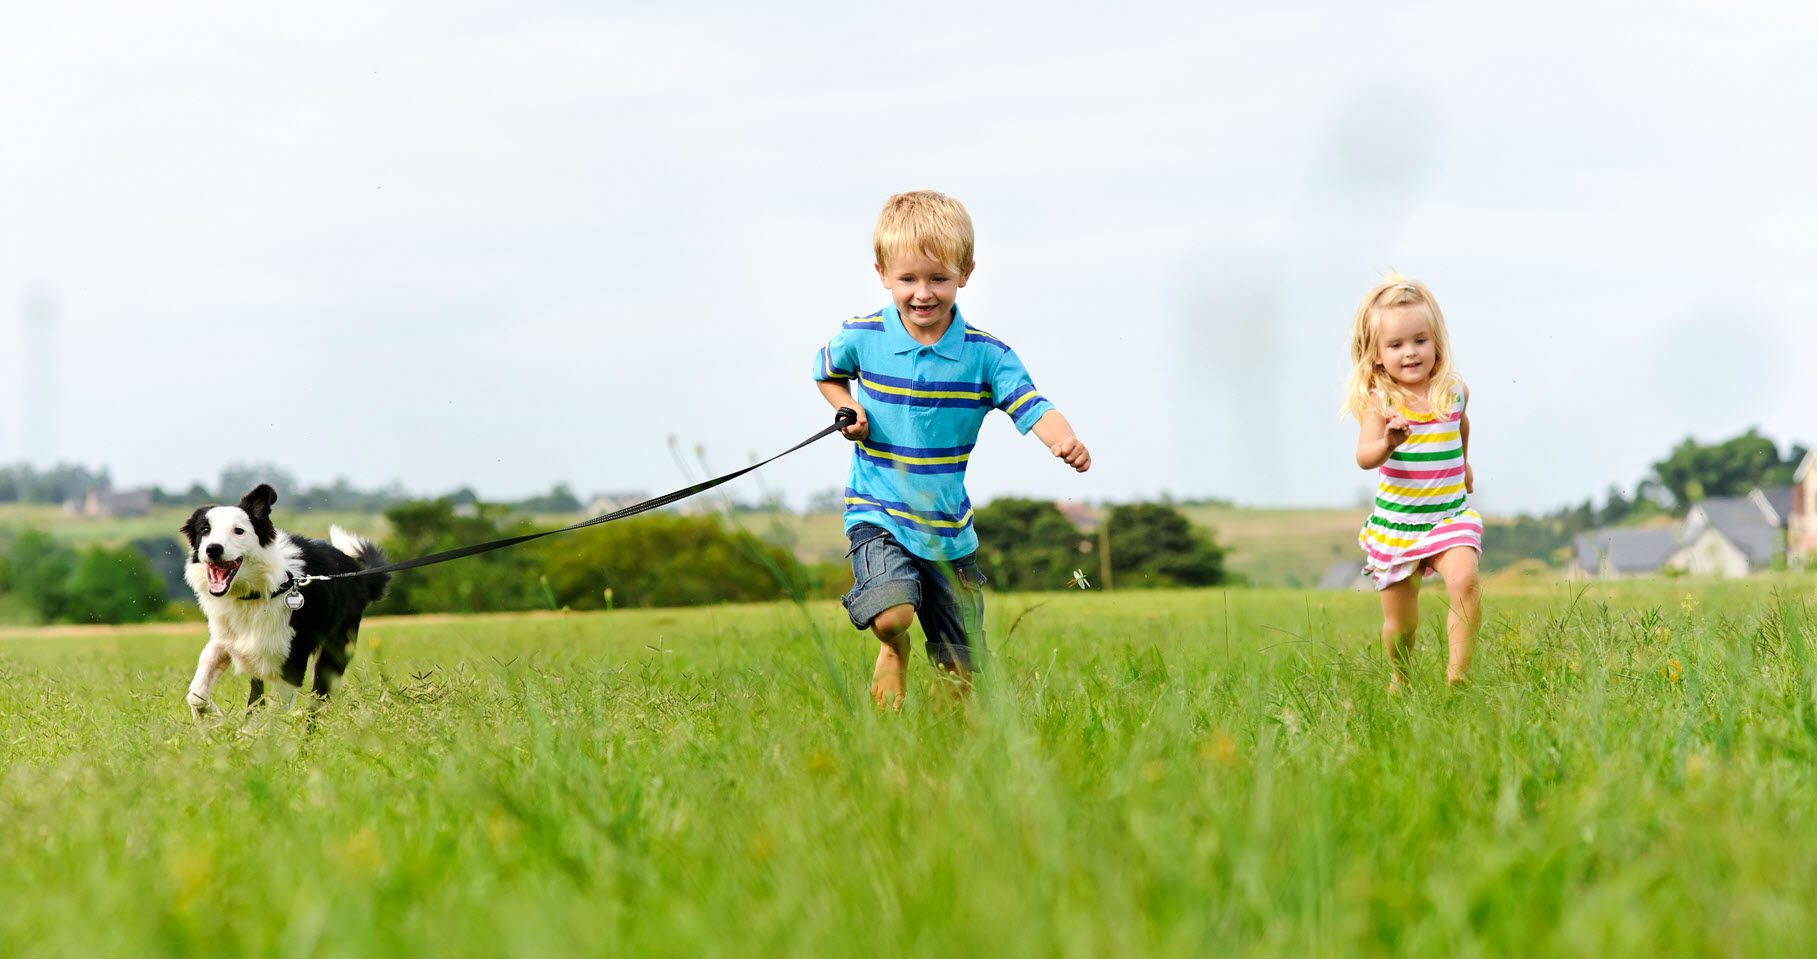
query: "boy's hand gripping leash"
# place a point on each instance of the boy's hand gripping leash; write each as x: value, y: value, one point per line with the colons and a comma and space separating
x: 842, y: 419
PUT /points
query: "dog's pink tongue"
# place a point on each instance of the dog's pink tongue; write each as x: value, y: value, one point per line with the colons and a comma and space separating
x: 217, y: 577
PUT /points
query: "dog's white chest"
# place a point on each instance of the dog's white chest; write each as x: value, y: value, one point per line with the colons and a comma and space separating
x: 255, y: 633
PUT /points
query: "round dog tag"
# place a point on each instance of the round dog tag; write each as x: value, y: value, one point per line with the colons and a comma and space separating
x: 294, y: 599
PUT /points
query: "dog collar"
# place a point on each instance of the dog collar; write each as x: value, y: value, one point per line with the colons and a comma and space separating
x: 289, y: 584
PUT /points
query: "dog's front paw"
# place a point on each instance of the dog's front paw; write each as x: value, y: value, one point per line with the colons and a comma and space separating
x: 200, y: 705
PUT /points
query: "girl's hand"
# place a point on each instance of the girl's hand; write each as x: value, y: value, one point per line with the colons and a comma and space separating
x: 1398, y: 431
x: 1469, y: 479
x: 861, y: 428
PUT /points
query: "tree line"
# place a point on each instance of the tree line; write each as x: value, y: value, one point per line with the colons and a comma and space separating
x: 64, y: 483
x: 659, y: 559
x: 664, y: 559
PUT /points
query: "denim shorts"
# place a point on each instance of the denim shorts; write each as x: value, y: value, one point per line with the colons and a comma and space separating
x: 948, y: 595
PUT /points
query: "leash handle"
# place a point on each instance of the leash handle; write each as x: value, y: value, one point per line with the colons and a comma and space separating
x: 845, y: 417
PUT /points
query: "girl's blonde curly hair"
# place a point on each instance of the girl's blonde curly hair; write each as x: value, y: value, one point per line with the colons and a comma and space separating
x: 1370, y: 386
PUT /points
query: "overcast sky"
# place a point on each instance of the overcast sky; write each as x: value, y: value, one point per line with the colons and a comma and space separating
x: 511, y: 245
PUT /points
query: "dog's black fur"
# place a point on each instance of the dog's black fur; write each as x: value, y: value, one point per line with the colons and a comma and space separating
x: 239, y: 550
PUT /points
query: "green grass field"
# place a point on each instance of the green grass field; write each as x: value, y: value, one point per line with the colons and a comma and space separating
x: 1186, y: 773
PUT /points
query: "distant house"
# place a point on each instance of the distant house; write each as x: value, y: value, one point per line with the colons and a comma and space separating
x: 1618, y: 553
x: 1347, y: 574
x: 1801, y: 519
x: 1776, y: 503
x: 109, y: 503
x: 1083, y: 517
x: 1732, y: 535
x: 1722, y: 536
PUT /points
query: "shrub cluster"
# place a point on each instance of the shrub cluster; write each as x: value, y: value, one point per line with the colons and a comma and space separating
x: 658, y: 559
x: 1030, y: 545
x: 61, y: 584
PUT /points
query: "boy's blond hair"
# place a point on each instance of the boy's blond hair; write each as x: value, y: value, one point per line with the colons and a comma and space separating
x: 1370, y: 387
x: 933, y: 223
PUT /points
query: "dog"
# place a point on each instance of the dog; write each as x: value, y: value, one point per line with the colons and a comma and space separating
x: 245, y: 573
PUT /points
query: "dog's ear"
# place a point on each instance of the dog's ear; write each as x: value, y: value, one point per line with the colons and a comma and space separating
x: 260, y: 500
x: 257, y: 505
x: 192, y: 527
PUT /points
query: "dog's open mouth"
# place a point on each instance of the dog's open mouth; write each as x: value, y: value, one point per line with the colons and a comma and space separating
x: 220, y: 576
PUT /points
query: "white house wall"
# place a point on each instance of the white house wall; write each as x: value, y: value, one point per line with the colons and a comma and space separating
x: 1710, y: 554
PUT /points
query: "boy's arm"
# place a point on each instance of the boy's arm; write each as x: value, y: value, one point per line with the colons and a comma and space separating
x: 1015, y: 394
x: 838, y: 394
x: 1057, y: 433
x: 834, y: 366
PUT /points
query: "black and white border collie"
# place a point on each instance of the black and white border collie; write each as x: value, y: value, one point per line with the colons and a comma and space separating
x: 243, y: 570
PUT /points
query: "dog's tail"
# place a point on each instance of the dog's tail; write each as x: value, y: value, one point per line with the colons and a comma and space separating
x: 367, y: 554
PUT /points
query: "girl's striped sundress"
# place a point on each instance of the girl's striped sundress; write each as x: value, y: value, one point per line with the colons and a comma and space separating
x: 1420, y: 508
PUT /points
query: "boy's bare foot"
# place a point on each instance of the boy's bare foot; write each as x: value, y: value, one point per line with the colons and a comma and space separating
x: 887, y: 678
x: 1395, y: 685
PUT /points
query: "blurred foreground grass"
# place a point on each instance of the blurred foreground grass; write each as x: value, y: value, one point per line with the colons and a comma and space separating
x: 1190, y: 773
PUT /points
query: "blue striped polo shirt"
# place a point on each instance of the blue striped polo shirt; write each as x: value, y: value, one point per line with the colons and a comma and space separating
x: 926, y: 405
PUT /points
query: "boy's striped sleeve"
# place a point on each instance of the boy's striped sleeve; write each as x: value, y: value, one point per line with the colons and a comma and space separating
x: 1015, y: 393
x: 837, y: 360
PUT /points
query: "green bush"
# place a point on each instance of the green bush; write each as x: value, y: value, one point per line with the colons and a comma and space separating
x: 499, y: 581
x: 667, y: 560
x: 1026, y: 544
x: 1153, y: 545
x: 113, y: 586
x: 36, y: 569
x: 658, y: 559
x: 99, y: 585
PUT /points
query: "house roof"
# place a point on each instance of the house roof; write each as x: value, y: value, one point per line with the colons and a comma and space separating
x: 1740, y: 521
x: 1630, y: 550
x: 1779, y: 499
x: 1804, y: 466
x: 1583, y: 550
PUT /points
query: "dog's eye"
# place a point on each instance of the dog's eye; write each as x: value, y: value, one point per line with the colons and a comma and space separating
x: 238, y: 531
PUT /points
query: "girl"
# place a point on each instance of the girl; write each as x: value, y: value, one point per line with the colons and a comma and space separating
x: 1410, y: 403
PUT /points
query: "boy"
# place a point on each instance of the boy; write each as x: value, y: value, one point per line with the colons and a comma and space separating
x: 925, y: 379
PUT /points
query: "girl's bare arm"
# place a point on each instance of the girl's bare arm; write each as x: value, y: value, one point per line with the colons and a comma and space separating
x: 1379, y: 436
x: 1463, y: 432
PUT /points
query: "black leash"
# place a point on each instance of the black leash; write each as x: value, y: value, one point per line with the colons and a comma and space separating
x: 842, y: 419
